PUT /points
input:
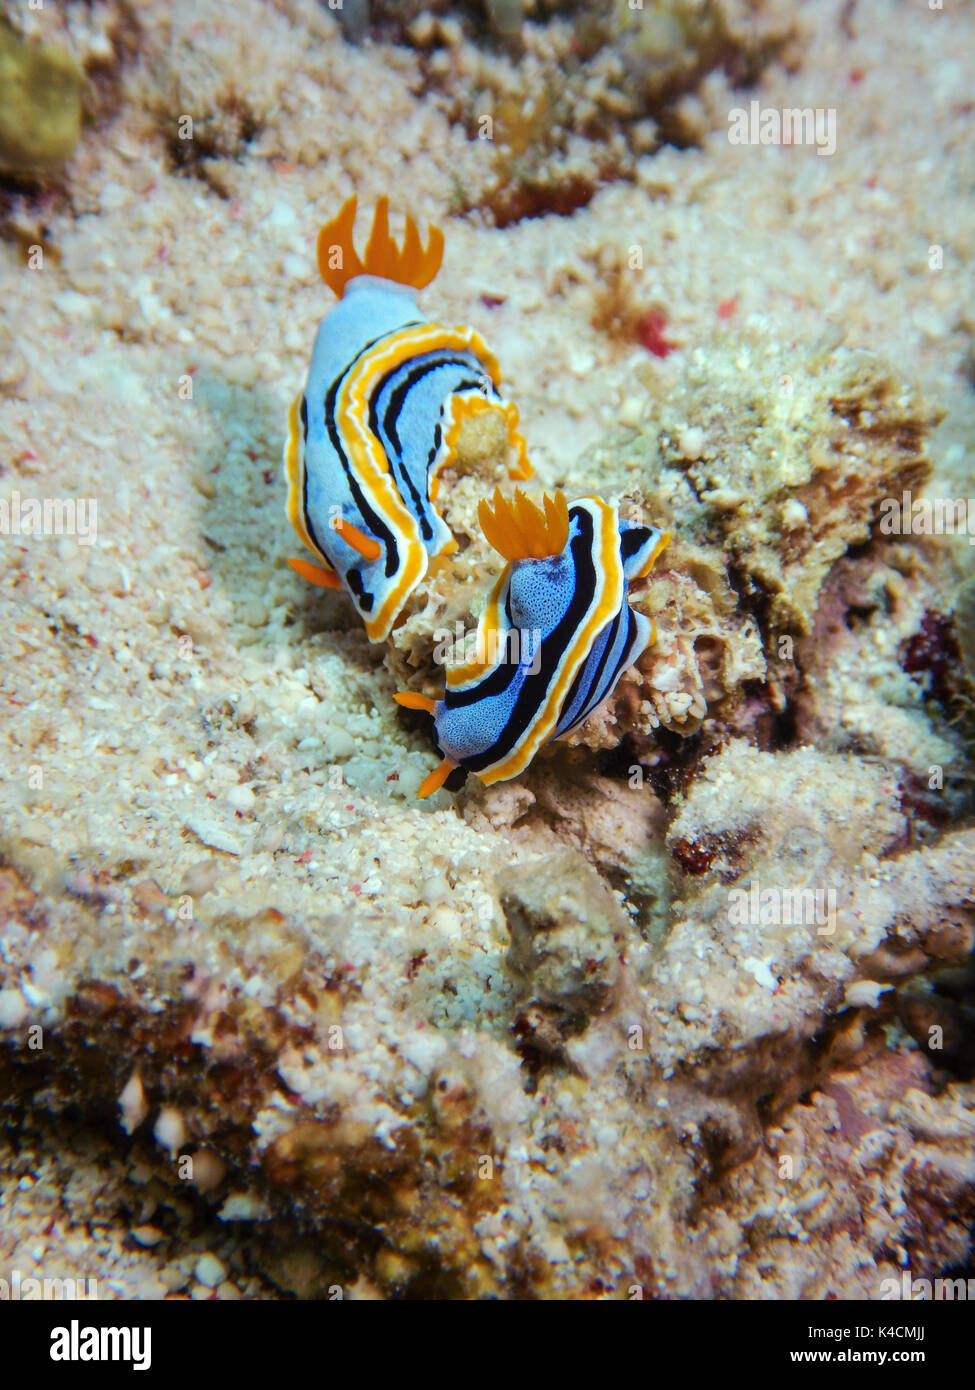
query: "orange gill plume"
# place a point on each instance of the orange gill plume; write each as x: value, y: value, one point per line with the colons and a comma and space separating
x: 518, y: 529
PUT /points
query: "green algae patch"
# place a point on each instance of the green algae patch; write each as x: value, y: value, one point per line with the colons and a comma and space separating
x: 40, y: 114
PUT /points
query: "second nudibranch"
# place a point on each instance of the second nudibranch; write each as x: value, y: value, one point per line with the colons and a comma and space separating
x: 379, y: 418
x: 557, y: 634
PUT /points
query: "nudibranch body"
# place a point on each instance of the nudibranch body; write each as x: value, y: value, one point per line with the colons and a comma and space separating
x: 556, y: 635
x: 379, y: 418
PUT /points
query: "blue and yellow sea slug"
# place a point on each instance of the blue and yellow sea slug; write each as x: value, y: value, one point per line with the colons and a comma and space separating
x: 556, y: 635
x: 380, y: 417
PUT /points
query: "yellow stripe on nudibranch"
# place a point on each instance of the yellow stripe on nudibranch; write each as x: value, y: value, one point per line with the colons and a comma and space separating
x: 661, y: 545
x: 487, y: 643
x: 368, y: 456
x: 339, y: 261
x: 411, y: 342
x: 294, y: 465
x: 521, y: 469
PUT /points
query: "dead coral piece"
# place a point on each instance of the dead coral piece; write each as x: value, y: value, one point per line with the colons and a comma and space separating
x: 566, y: 933
x: 669, y: 46
x: 40, y: 116
x: 205, y: 118
x: 862, y: 1144
x: 796, y: 897
x: 854, y: 693
x: 785, y: 473
x: 744, y: 814
x: 792, y: 471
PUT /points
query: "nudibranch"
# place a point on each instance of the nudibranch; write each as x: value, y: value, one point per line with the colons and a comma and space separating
x: 557, y: 633
x: 379, y: 418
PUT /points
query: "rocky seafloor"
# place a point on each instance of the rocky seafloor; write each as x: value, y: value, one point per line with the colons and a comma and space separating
x: 271, y: 1027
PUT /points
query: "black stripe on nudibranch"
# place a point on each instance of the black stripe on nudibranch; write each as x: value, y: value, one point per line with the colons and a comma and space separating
x: 397, y: 385
x: 603, y: 679
x: 415, y: 373
x: 388, y: 431
x: 597, y: 679
x: 632, y: 540
x: 328, y: 422
x: 377, y: 526
x: 414, y: 497
x: 353, y: 578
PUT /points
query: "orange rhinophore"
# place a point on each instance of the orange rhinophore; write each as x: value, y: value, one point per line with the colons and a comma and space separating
x: 339, y: 261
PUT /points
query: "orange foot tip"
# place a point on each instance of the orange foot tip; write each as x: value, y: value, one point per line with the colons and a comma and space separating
x: 435, y: 780
x: 316, y: 574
